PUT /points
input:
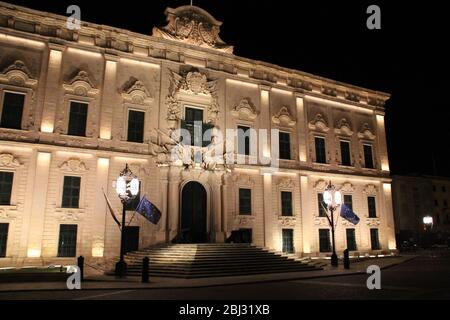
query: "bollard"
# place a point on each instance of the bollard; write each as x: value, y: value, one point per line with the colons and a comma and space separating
x: 145, y: 269
x: 80, y: 264
x: 346, y: 259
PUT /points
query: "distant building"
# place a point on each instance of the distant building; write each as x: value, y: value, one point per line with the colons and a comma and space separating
x: 77, y: 105
x: 414, y: 198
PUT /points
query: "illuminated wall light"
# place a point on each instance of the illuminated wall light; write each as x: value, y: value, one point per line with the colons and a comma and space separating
x: 33, y: 253
x: 140, y: 63
x: 242, y: 83
x: 43, y: 158
x: 17, y: 40
x: 47, y: 127
x: 387, y: 187
x: 103, y: 162
x: 338, y: 104
x: 84, y: 52
x: 130, y: 160
x: 97, y: 251
x: 253, y: 171
x: 281, y: 91
x: 73, y: 154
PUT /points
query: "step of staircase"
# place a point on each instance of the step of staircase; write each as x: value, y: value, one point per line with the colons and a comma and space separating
x: 212, y: 260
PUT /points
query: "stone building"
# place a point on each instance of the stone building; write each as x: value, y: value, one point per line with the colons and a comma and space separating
x: 78, y: 105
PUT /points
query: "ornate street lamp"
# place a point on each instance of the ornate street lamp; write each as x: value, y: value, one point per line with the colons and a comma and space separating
x: 333, y: 200
x: 427, y: 222
x: 427, y: 226
x: 127, y: 188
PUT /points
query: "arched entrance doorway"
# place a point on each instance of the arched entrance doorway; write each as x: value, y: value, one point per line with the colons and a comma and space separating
x: 194, y: 213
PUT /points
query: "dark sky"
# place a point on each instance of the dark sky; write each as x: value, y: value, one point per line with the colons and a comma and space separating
x: 408, y: 57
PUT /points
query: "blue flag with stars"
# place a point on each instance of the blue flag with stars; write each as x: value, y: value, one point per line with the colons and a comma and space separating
x: 148, y: 210
x: 348, y: 214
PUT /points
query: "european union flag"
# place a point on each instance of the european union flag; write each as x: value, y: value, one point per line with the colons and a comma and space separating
x: 148, y: 210
x: 348, y: 214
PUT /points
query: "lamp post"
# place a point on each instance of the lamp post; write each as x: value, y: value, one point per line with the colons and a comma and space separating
x: 427, y: 225
x: 333, y: 200
x: 127, y: 187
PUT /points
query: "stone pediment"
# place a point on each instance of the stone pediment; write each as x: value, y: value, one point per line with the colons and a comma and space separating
x: 81, y: 85
x: 17, y: 74
x: 284, y: 118
x: 319, y: 123
x: 366, y: 132
x: 192, y: 25
x: 134, y: 91
x: 245, y: 110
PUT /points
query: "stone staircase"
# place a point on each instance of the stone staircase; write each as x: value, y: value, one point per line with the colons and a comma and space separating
x: 212, y: 260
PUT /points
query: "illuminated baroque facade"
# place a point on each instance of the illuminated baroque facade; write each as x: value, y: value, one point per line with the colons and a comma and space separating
x: 77, y: 105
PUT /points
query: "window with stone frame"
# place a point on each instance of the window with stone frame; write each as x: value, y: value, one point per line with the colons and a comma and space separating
x: 345, y: 153
x: 320, y: 150
x: 245, y: 201
x: 372, y: 207
x: 6, y: 182
x: 71, y: 192
x: 12, y: 110
x: 368, y: 157
x: 78, y: 112
x: 136, y: 122
x: 286, y: 203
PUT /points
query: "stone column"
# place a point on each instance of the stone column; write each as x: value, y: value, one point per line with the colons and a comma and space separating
x: 301, y: 127
x: 388, y: 217
x: 217, y: 210
x: 163, y: 188
x: 100, y: 209
x: 109, y: 97
x: 268, y: 212
x: 306, y: 216
x: 174, y: 202
x: 381, y: 136
x: 265, y: 123
x: 39, y: 199
x: 225, y: 200
x: 52, y: 88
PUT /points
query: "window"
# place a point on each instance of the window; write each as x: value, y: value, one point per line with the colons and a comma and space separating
x: 375, y: 242
x: 368, y: 157
x: 12, y: 110
x: 348, y: 201
x: 244, y: 140
x: 285, y: 145
x: 436, y: 203
x: 286, y: 203
x: 245, y: 201
x: 445, y: 204
x: 345, y: 153
x: 193, y: 123
x: 324, y: 240
x: 288, y: 240
x: 372, y: 207
x: 67, y: 246
x: 132, y: 205
x: 3, y: 238
x: 6, y: 181
x: 71, y: 192
x: 443, y: 189
x: 321, y: 205
x: 320, y: 150
x: 351, y: 240
x: 77, y: 119
x: 136, y: 126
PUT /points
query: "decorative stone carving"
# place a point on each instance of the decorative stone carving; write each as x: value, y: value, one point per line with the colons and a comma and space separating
x: 134, y: 91
x: 8, y: 160
x: 69, y: 215
x: 347, y: 187
x: 138, y: 169
x: 194, y: 26
x: 245, y: 220
x: 287, y: 221
x: 366, y: 132
x: 8, y: 212
x: 286, y: 183
x: 73, y: 165
x: 343, y: 127
x: 320, y: 185
x: 373, y: 222
x: 192, y: 82
x: 17, y: 74
x: 370, y: 189
x: 321, y: 221
x: 243, y: 179
x: 81, y: 85
x: 319, y: 123
x: 245, y: 110
x: 283, y: 118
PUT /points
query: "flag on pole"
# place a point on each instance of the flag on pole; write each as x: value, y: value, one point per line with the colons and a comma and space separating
x: 148, y: 210
x: 348, y: 214
x: 111, y: 210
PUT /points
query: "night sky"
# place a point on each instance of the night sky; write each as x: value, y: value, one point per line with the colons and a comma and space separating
x: 408, y: 57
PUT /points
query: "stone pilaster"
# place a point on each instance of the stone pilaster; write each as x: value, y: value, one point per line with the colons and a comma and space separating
x: 301, y: 128
x: 174, y: 202
x: 109, y: 97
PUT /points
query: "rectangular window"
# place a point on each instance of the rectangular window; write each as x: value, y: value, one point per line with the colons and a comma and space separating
x: 288, y: 240
x: 67, y: 246
x: 348, y: 201
x: 368, y: 157
x: 136, y: 126
x: 443, y: 189
x: 286, y: 203
x: 345, y: 153
x: 12, y: 110
x: 445, y: 204
x: 374, y: 240
x: 77, y: 119
x: 324, y: 240
x: 321, y: 205
x: 244, y: 140
x: 436, y: 203
x: 193, y: 123
x: 320, y: 150
x: 285, y: 145
x: 351, y: 240
x: 245, y: 201
x: 6, y: 181
x: 3, y: 238
x: 71, y: 192
x: 132, y: 205
x: 372, y: 207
